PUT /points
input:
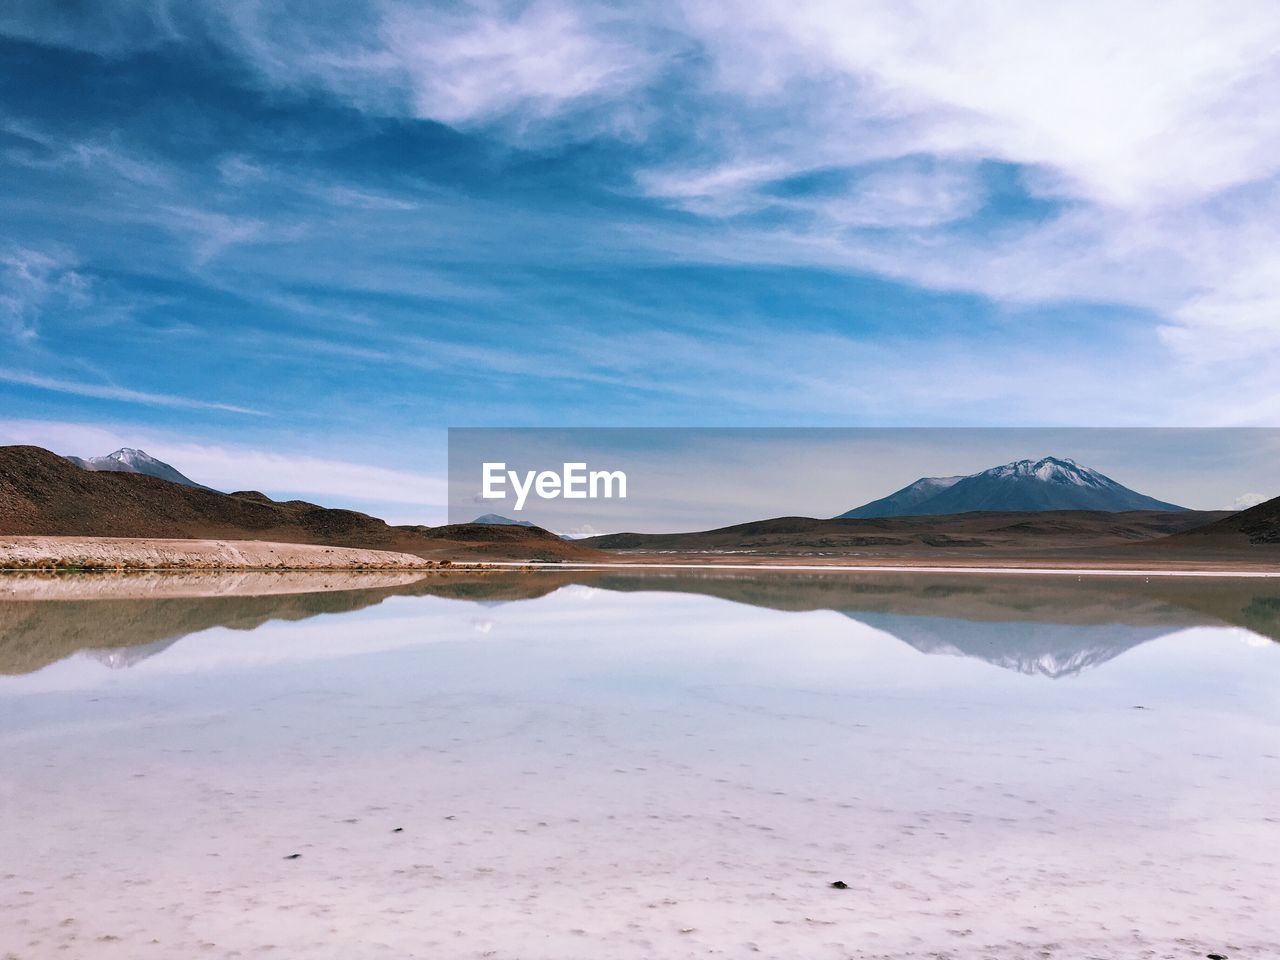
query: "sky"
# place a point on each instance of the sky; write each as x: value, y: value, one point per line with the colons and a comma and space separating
x: 285, y: 245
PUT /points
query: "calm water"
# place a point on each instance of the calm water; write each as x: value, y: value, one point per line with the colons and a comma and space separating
x: 560, y: 765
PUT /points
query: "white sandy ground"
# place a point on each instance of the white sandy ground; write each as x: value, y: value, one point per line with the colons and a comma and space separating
x: 898, y: 568
x: 46, y: 552
x: 594, y: 775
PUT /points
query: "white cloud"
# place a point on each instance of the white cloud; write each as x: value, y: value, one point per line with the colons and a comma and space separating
x: 490, y: 60
x: 1247, y: 500
x: 1142, y: 120
x: 720, y: 190
x: 1128, y: 103
x: 907, y: 197
x: 519, y: 64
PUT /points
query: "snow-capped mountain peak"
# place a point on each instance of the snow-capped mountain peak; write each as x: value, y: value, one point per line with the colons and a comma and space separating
x: 1050, y: 469
x: 133, y: 460
x: 1050, y: 483
x: 132, y: 456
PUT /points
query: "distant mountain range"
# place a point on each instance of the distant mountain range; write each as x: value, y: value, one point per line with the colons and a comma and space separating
x: 130, y: 460
x: 498, y: 520
x: 1024, y: 486
x: 1042, y: 510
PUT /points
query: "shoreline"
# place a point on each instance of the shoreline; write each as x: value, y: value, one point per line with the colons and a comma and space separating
x: 192, y: 584
x: 429, y: 566
x: 67, y: 568
x: 52, y: 554
x: 898, y: 568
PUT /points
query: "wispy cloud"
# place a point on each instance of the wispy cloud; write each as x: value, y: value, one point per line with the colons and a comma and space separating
x: 211, y: 232
x: 122, y: 394
x: 32, y: 281
x: 487, y: 61
x: 37, y: 148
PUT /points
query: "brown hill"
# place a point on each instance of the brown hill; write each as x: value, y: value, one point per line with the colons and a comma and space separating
x: 970, y: 534
x: 43, y: 494
x: 1256, y: 527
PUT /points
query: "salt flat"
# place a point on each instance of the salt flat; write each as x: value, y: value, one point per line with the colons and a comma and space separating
x: 595, y: 774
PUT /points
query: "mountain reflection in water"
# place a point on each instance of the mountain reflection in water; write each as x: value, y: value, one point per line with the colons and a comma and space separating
x: 1050, y: 626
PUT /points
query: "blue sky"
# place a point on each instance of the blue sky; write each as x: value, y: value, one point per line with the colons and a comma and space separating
x: 285, y: 245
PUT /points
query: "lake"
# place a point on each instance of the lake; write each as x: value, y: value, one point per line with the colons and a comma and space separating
x: 557, y: 765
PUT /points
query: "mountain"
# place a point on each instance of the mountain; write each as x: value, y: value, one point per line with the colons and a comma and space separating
x: 989, y: 534
x: 1261, y: 524
x: 496, y: 520
x: 43, y: 494
x: 905, y: 502
x: 1255, y: 527
x: 1024, y: 486
x: 129, y: 460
